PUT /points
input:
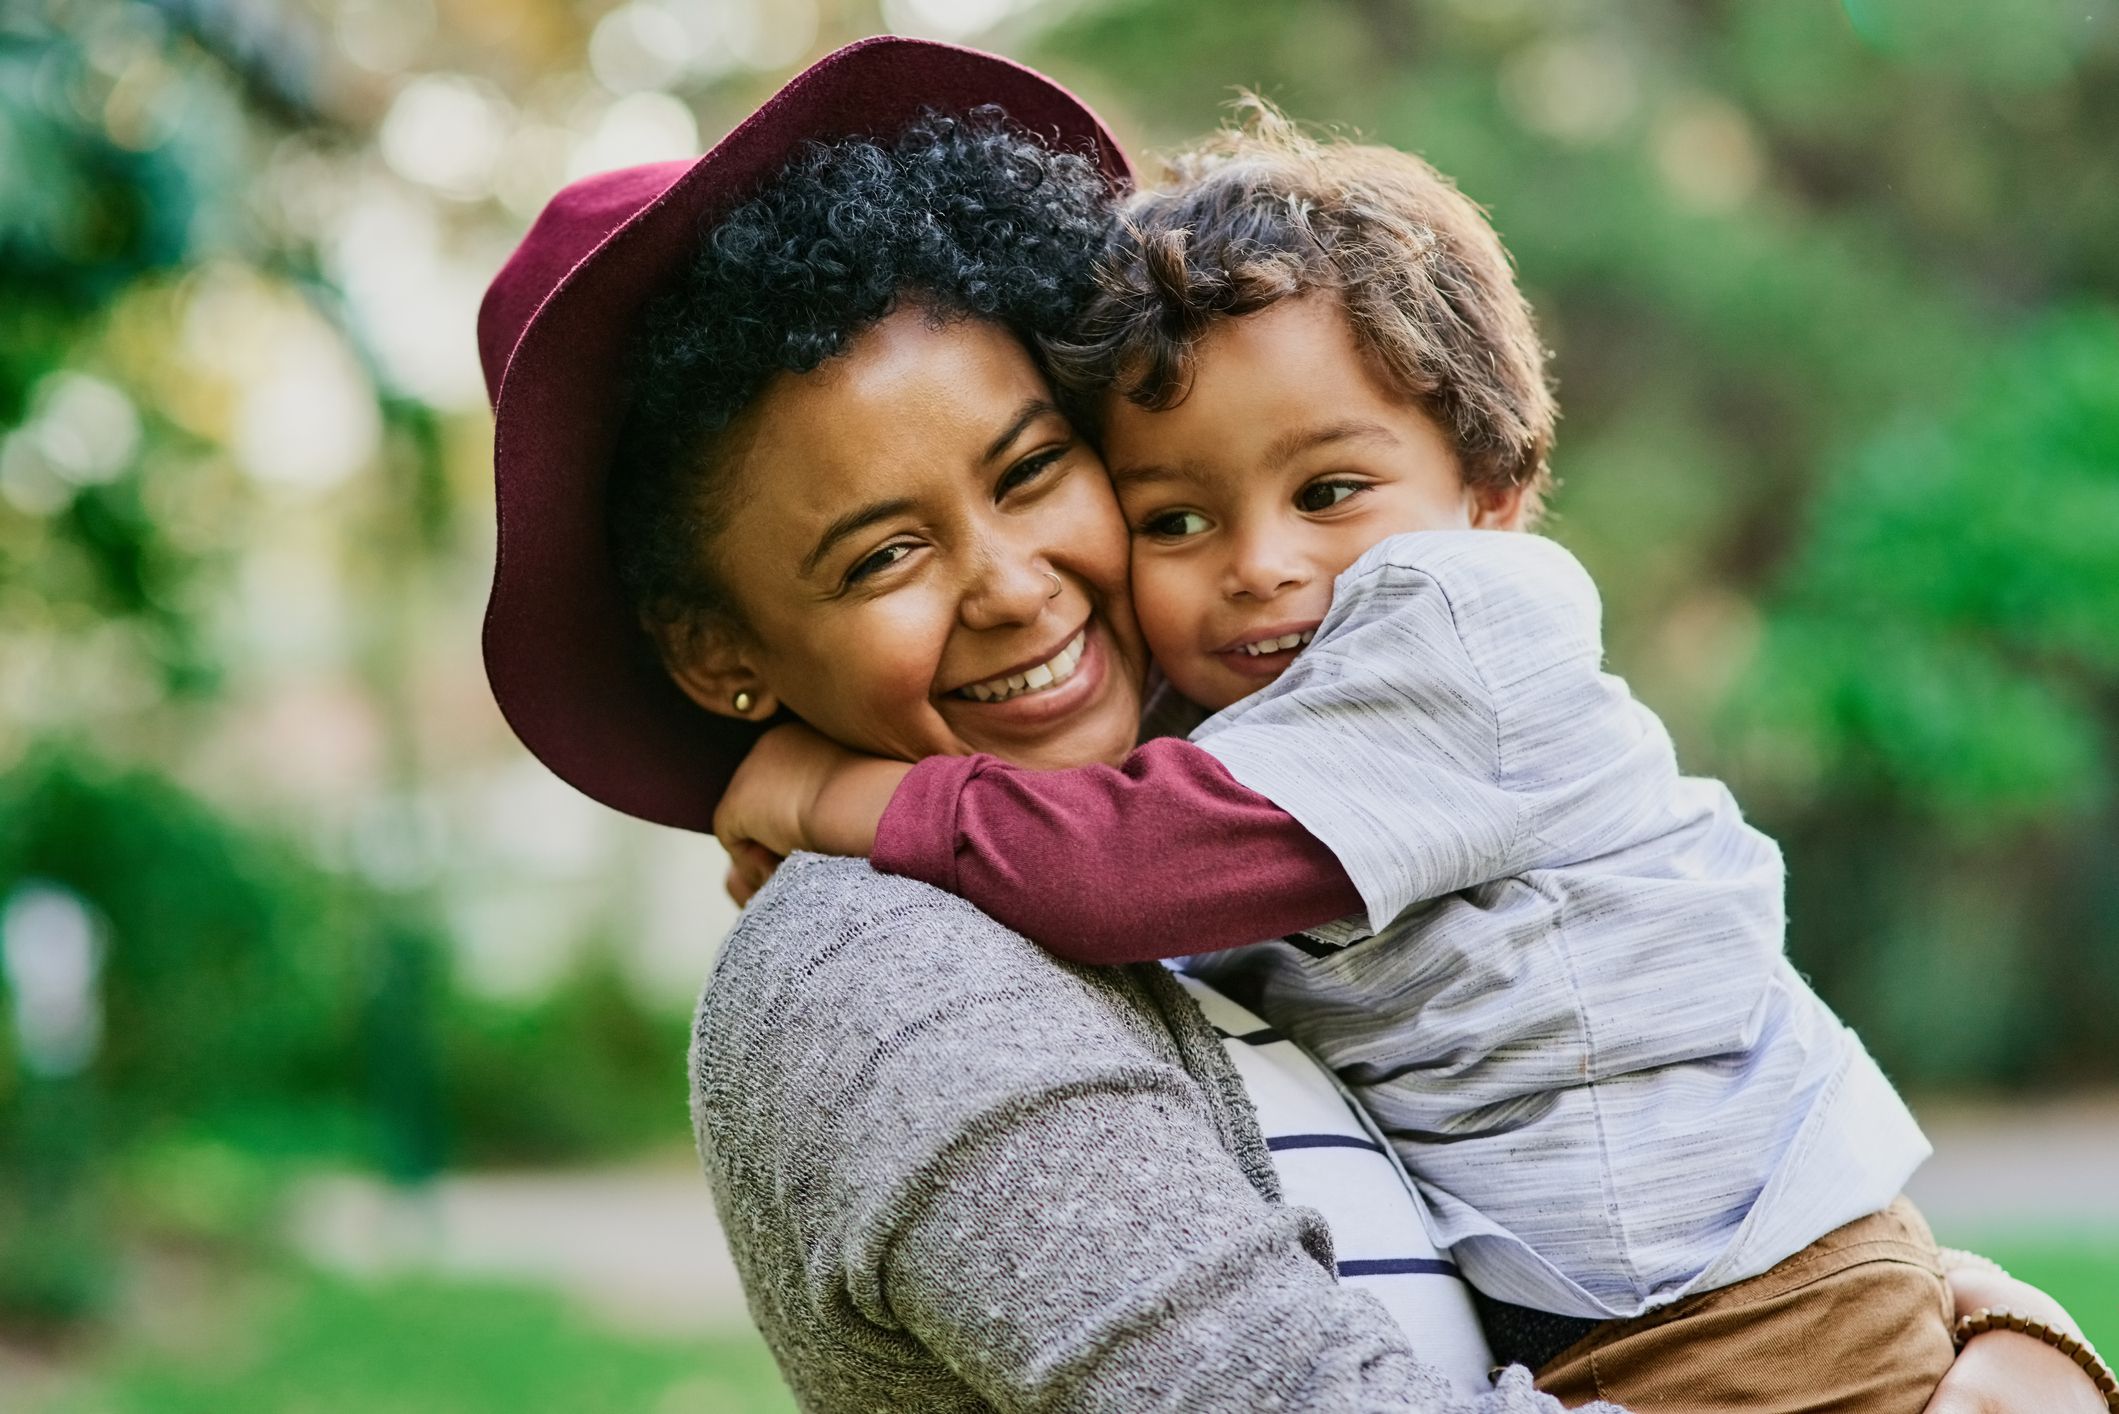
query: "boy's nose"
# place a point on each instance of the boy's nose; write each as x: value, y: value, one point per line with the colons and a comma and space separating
x: 1261, y: 572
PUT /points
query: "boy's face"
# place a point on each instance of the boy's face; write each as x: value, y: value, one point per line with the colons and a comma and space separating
x: 1288, y: 458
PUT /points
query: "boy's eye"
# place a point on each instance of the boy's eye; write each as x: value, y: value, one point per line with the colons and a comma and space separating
x: 878, y: 560
x: 1323, y: 495
x: 1174, y: 525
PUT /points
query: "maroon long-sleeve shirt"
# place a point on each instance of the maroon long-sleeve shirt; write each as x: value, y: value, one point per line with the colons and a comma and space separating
x: 1161, y: 856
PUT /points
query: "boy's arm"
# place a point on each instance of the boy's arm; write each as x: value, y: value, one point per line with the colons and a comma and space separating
x: 1159, y: 857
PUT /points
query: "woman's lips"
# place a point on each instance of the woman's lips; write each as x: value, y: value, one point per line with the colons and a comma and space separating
x: 1038, y: 676
x: 1047, y: 704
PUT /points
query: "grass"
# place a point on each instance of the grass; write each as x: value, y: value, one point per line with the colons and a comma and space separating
x: 2081, y: 1272
x: 299, y: 1342
x: 323, y: 1345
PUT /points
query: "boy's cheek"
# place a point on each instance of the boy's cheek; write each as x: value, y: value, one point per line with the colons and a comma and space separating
x: 1162, y: 599
x: 1172, y: 604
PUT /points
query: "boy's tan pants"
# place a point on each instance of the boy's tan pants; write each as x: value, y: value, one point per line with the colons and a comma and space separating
x: 1858, y: 1321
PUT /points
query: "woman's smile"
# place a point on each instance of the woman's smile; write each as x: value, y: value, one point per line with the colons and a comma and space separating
x: 1039, y: 675
x: 1047, y: 691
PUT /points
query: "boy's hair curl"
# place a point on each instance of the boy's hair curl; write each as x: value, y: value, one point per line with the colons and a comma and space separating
x: 966, y: 215
x: 1261, y: 212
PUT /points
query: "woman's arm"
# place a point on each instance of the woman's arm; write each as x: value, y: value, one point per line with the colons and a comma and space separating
x: 930, y: 1142
x: 2002, y: 1372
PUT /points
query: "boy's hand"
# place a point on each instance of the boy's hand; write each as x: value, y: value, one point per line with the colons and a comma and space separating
x: 749, y: 866
x: 798, y: 790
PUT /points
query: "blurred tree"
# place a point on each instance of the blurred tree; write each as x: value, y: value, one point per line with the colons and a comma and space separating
x: 1933, y: 707
x: 268, y: 993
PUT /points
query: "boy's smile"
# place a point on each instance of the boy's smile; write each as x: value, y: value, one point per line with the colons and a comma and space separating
x: 1287, y: 458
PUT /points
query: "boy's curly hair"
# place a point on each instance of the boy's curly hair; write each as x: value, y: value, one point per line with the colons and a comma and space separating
x: 1261, y: 212
x: 966, y: 215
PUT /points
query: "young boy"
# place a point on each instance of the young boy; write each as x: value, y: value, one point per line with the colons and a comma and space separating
x: 1670, y: 1171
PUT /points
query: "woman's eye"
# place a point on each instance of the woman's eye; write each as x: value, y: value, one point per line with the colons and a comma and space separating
x: 1323, y: 495
x: 880, y: 560
x: 1029, y: 469
x: 1174, y: 525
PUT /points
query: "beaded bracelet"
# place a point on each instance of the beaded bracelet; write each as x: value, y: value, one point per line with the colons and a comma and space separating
x: 2072, y: 1346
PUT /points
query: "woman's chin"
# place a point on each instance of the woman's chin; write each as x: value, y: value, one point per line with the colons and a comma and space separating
x: 1090, y: 718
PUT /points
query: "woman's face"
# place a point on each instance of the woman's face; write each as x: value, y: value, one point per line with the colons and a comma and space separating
x: 926, y: 559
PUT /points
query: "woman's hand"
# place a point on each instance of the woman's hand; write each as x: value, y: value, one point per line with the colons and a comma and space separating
x: 2002, y: 1372
x: 799, y: 790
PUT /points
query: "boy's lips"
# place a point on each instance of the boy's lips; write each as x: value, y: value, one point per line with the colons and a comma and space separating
x: 1271, y: 638
x: 1264, y: 652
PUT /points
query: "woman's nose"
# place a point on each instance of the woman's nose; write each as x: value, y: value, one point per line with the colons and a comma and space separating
x: 1009, y: 589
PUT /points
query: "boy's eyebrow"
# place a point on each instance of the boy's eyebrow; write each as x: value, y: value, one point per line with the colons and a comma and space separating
x: 858, y: 519
x: 1143, y: 473
x: 1282, y: 449
x: 1289, y: 445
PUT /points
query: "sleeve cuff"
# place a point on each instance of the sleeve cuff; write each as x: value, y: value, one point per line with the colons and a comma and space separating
x: 917, y: 836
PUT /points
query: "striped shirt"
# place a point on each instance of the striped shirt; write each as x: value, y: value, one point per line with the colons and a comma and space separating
x: 1568, y: 1007
x: 1330, y: 1158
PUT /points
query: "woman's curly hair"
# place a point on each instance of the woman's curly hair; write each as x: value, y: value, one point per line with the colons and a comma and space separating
x: 966, y: 215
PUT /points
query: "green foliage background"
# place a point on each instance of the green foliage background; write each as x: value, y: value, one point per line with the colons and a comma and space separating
x: 1833, y: 294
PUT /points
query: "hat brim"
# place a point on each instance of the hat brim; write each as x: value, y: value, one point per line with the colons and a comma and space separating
x: 575, y: 676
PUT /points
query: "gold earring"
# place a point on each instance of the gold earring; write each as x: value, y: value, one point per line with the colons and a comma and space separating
x: 743, y: 701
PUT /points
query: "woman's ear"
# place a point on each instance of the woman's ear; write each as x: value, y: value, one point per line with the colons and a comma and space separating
x: 716, y: 669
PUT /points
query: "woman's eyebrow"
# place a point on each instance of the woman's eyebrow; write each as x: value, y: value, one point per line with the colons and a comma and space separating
x: 860, y: 518
x: 1031, y: 410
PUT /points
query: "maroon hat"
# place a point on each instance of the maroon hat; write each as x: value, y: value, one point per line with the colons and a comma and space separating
x: 574, y: 673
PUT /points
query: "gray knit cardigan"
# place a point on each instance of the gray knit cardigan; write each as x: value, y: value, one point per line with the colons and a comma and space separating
x: 957, y: 1174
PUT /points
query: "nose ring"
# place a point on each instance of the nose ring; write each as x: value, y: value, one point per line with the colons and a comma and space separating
x: 1055, y: 584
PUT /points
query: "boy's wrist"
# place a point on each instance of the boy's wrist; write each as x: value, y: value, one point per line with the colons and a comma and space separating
x: 843, y: 816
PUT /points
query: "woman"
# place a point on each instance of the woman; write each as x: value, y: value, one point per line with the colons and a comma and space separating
x: 955, y: 1173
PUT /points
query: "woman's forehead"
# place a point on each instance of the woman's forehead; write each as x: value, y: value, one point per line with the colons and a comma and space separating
x: 911, y: 395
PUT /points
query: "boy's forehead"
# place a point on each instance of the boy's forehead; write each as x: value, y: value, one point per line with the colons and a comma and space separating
x: 1261, y: 391
x: 1262, y: 444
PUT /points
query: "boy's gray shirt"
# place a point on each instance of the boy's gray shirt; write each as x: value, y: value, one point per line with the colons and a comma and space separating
x: 1569, y: 1009
x: 958, y: 1174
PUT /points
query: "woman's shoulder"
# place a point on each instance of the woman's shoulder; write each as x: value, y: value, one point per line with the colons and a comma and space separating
x: 823, y: 924
x: 834, y: 964
x: 858, y: 1024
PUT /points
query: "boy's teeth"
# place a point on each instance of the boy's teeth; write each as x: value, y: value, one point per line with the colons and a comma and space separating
x: 1276, y: 645
x: 1050, y: 673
